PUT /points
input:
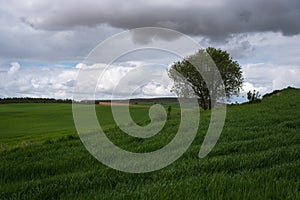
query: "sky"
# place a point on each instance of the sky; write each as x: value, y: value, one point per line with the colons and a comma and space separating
x: 43, y: 43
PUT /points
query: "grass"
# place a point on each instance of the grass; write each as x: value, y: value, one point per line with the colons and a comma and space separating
x: 23, y: 124
x: 256, y: 157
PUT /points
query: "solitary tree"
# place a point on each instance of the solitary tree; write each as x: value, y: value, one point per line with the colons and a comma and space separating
x: 189, y: 82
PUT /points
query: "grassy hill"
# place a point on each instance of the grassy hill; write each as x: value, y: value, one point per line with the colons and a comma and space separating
x: 256, y: 157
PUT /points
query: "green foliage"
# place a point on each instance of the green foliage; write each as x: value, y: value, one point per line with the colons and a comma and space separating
x: 189, y: 82
x: 256, y: 157
x: 253, y: 97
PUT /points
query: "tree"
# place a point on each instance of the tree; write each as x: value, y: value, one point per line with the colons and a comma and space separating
x: 253, y: 97
x: 189, y: 82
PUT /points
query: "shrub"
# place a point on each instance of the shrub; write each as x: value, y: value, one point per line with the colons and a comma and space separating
x: 169, y: 110
x: 253, y: 97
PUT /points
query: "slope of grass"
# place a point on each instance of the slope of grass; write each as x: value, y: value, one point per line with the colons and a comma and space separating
x: 257, y: 157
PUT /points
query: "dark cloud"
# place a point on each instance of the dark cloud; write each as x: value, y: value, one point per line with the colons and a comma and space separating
x: 19, y: 41
x: 216, y: 19
x: 68, y: 30
x: 145, y: 36
x: 243, y: 49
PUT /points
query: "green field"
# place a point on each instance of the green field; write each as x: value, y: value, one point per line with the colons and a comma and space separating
x: 256, y: 157
x: 23, y: 124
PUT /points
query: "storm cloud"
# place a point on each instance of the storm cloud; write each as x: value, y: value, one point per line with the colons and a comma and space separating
x: 68, y: 30
x: 215, y: 19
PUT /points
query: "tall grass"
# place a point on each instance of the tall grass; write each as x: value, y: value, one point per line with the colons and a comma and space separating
x: 257, y: 157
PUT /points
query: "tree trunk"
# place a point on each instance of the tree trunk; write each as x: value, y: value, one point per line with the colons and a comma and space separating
x: 205, y: 104
x: 209, y: 103
x: 202, y: 103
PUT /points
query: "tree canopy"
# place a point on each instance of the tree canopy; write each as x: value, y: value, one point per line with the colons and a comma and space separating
x: 188, y: 81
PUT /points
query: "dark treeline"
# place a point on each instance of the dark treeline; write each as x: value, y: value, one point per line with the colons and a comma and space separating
x: 33, y: 100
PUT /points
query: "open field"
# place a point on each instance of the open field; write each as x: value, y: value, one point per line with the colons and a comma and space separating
x: 34, y: 122
x: 256, y: 157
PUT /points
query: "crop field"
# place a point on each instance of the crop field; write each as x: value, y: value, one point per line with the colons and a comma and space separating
x: 256, y: 157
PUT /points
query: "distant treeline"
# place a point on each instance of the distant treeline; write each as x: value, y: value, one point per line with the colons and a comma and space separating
x: 33, y: 100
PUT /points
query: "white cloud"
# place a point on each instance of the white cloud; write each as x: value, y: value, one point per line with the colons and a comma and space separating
x: 121, y: 80
x: 37, y: 82
x: 143, y: 80
x: 84, y: 66
x: 250, y: 87
x: 156, y: 89
x: 268, y: 77
x: 14, y: 68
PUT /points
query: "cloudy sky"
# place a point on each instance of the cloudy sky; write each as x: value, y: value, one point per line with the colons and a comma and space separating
x: 43, y: 43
